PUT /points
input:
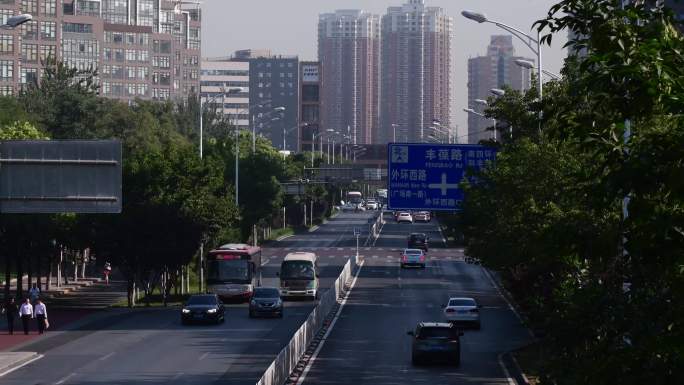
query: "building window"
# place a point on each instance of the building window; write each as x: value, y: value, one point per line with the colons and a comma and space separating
x: 107, y: 53
x: 143, y: 56
x: 48, y: 7
x: 87, y: 8
x: 29, y: 52
x: 48, y: 51
x: 131, y: 55
x: 131, y: 72
x: 117, y: 72
x: 143, y: 73
x: 117, y: 37
x: 77, y: 28
x: 130, y: 38
x: 161, y: 61
x: 29, y: 75
x: 106, y: 88
x: 142, y: 89
x: 48, y: 30
x: 131, y: 89
x: 143, y: 39
x: 6, y: 70
x: 118, y: 55
x: 6, y: 14
x: 29, y: 6
x: 6, y: 43
x: 6, y: 90
x: 29, y: 30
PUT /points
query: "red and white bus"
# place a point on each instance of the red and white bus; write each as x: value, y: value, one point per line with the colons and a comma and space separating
x: 233, y: 270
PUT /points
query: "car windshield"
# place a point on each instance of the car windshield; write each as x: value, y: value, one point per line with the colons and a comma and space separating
x: 462, y: 302
x: 435, y: 332
x: 202, y: 300
x: 230, y: 271
x: 266, y: 292
x: 297, y: 270
x: 413, y: 252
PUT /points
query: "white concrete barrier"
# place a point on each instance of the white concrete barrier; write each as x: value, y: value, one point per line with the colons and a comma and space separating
x: 286, y: 361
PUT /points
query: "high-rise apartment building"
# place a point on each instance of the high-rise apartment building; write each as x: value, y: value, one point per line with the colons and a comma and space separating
x: 494, y: 70
x: 349, y: 53
x: 221, y: 78
x: 415, y: 87
x: 309, y: 104
x: 273, y: 83
x: 148, y: 49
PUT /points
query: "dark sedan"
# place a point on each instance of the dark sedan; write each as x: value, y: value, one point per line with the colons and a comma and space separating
x: 203, y: 308
x: 434, y: 341
x: 266, y: 302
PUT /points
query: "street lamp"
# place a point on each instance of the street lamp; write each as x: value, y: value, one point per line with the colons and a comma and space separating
x: 17, y: 20
x: 525, y: 38
x: 498, y: 92
x: 276, y: 109
x: 530, y: 65
x: 394, y: 132
x: 481, y: 102
x: 472, y: 111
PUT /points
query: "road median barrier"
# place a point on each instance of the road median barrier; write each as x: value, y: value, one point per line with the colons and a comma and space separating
x: 289, y: 361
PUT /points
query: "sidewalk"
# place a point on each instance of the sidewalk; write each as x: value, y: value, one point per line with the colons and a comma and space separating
x: 10, y: 361
x: 59, y: 320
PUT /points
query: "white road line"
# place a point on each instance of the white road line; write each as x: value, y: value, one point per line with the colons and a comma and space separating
x: 107, y: 356
x: 39, y: 356
x: 178, y: 375
x: 375, y: 257
x: 63, y: 380
x: 264, y: 263
x: 331, y: 256
x: 505, y: 370
x: 330, y: 328
x: 340, y: 248
x: 203, y: 356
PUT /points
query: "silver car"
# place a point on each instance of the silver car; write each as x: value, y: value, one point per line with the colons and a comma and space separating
x: 463, y: 310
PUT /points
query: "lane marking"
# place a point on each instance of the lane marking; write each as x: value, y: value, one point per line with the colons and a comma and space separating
x: 177, y: 376
x: 203, y: 356
x: 264, y: 263
x: 63, y: 380
x: 107, y: 356
x: 39, y: 356
x: 505, y: 370
x: 330, y: 328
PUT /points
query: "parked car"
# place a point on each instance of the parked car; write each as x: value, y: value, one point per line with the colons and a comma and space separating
x: 404, y: 217
x: 436, y: 341
x: 422, y: 216
x: 461, y: 310
x: 266, y: 302
x: 203, y: 308
x: 412, y: 257
x: 418, y: 241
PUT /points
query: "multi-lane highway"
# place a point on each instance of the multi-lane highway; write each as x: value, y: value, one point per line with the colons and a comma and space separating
x: 151, y: 347
x: 368, y: 343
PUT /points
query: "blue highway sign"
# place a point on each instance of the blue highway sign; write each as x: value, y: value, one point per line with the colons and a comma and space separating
x: 425, y: 176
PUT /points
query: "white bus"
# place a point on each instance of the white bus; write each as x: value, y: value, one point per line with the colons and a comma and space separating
x: 299, y: 275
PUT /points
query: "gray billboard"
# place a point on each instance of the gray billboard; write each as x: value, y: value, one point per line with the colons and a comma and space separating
x: 60, y: 176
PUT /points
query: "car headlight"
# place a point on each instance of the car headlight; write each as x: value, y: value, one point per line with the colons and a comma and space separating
x: 253, y: 302
x: 186, y: 311
x: 311, y: 285
x: 211, y: 311
x: 280, y: 302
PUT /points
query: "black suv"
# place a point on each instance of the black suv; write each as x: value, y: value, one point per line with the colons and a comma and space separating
x: 434, y: 341
x: 418, y: 241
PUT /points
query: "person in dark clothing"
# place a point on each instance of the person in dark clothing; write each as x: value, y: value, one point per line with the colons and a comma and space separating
x: 11, y: 310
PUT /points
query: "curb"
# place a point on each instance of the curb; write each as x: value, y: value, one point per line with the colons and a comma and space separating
x: 312, y: 229
x: 514, y: 371
x: 14, y: 365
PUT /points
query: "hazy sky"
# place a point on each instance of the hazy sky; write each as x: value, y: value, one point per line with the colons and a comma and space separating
x: 290, y: 27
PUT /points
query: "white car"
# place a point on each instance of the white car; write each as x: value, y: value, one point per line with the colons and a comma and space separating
x: 463, y: 310
x: 404, y: 217
x: 371, y: 205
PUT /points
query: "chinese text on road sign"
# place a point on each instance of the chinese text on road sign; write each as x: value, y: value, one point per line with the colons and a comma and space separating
x: 427, y: 176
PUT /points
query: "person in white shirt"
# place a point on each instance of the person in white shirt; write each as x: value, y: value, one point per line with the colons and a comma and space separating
x: 41, y: 315
x: 26, y: 313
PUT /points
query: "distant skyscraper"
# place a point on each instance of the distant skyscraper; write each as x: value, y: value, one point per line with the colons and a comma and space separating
x: 349, y: 53
x: 415, y: 88
x: 309, y: 104
x: 494, y: 70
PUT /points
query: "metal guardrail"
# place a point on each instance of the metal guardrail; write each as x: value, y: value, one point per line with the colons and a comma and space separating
x: 286, y: 361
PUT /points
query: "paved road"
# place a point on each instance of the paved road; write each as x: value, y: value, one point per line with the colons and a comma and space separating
x: 395, y: 234
x: 151, y: 347
x: 369, y: 345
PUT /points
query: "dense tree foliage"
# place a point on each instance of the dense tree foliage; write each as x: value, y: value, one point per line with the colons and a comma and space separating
x: 172, y: 200
x: 585, y: 220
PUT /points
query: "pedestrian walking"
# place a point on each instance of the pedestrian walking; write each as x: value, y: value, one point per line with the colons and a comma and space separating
x: 34, y: 293
x: 107, y: 271
x: 10, y: 309
x: 41, y: 316
x: 26, y: 313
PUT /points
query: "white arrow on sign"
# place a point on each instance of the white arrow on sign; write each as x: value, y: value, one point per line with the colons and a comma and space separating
x: 444, y: 186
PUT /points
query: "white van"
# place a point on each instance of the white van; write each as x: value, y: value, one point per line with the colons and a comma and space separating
x: 299, y: 275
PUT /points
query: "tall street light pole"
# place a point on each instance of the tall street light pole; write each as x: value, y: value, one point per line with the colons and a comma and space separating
x: 471, y: 111
x: 394, y: 132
